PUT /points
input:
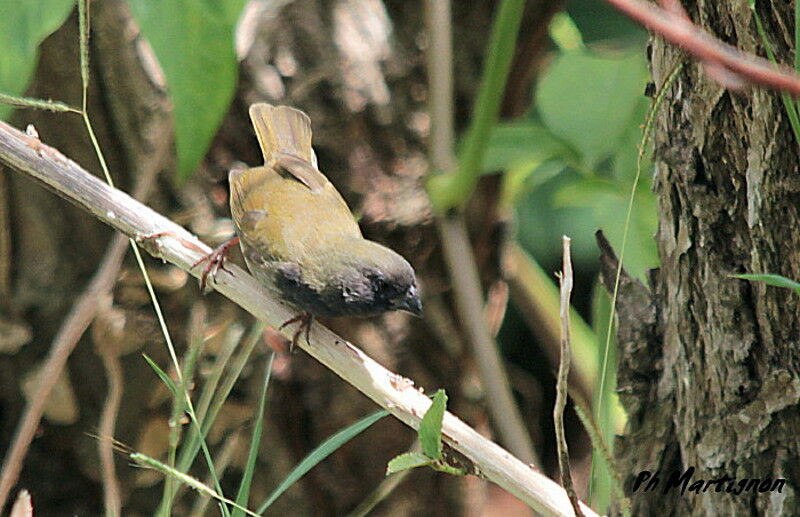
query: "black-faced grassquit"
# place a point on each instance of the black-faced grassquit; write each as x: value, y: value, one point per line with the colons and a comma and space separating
x: 298, y: 236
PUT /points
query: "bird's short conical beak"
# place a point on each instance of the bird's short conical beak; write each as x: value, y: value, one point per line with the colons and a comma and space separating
x: 412, y: 303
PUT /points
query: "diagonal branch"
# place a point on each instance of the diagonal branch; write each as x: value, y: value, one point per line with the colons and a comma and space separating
x: 181, y: 248
x: 676, y: 28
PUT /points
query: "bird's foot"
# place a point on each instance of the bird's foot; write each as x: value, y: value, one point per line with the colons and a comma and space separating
x: 305, y: 319
x: 216, y: 262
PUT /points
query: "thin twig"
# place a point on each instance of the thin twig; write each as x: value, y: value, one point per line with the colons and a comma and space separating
x: 111, y: 493
x: 562, y: 385
x: 536, y: 295
x: 463, y: 271
x: 183, y: 249
x: 678, y: 30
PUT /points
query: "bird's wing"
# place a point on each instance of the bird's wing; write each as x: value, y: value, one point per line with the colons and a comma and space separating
x: 302, y: 171
x: 247, y: 209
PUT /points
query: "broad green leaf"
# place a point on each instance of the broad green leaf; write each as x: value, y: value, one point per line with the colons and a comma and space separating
x: 430, y: 428
x: 542, y: 222
x: 23, y: 26
x: 608, y: 201
x: 527, y: 175
x: 194, y: 43
x: 520, y: 149
x: 599, y: 22
x: 518, y: 142
x: 773, y: 280
x: 324, y: 450
x: 590, y: 101
x: 406, y: 461
x: 623, y: 166
x: 163, y: 375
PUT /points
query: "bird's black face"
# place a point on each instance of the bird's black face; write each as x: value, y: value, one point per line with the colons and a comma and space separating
x: 396, y: 291
x: 373, y: 291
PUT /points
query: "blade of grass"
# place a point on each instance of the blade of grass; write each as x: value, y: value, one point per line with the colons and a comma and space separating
x: 610, y: 325
x: 28, y: 102
x: 324, y: 450
x: 220, y: 395
x: 152, y: 463
x: 788, y: 103
x: 231, y: 340
x: 772, y: 279
x: 178, y: 409
x: 196, y: 435
x: 247, y: 477
x: 162, y: 375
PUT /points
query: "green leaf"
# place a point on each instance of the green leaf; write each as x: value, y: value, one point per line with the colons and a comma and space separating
x: 324, y: 450
x: 430, y: 428
x: 520, y: 149
x: 194, y: 43
x: 23, y: 26
x: 608, y: 200
x: 526, y: 176
x: 565, y: 33
x: 518, y: 142
x: 406, y: 461
x: 772, y: 279
x: 598, y: 22
x: 589, y: 101
x: 164, y: 377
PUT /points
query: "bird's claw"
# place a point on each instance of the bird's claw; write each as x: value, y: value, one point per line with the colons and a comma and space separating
x: 216, y: 262
x: 305, y: 319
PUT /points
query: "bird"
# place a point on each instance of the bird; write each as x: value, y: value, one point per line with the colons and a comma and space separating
x: 298, y: 236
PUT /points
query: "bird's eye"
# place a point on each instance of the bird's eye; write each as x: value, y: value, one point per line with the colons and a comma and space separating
x: 401, y: 294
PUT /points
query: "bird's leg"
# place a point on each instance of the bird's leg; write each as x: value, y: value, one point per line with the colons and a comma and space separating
x: 216, y: 261
x: 305, y: 319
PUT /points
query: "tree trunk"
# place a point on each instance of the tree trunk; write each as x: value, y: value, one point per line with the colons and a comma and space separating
x: 709, y: 363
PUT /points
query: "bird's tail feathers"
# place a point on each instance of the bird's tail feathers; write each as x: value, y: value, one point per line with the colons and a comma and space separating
x: 282, y: 129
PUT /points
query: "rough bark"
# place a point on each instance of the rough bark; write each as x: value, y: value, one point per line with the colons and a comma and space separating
x: 708, y: 373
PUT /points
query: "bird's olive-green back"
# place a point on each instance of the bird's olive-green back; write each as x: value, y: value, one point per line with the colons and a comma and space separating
x: 284, y: 219
x: 287, y: 210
